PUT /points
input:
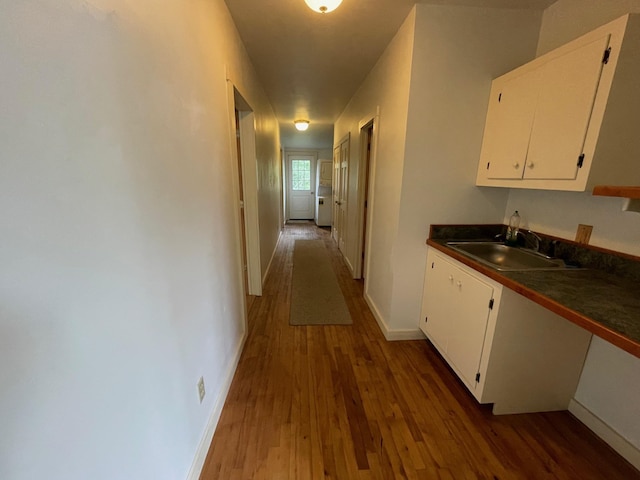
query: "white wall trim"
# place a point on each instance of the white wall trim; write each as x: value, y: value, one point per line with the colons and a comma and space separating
x: 349, y: 266
x: 207, y: 436
x: 249, y: 163
x: 273, y: 255
x: 392, y: 335
x: 606, y: 433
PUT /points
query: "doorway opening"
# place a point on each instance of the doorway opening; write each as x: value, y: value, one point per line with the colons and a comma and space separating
x: 245, y: 143
x: 367, y: 133
x: 366, y: 176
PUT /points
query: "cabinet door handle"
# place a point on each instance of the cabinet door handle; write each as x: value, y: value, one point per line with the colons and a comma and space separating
x: 459, y: 284
x: 516, y: 165
x: 451, y: 278
x: 531, y: 165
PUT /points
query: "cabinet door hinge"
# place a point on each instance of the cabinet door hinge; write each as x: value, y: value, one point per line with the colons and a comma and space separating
x: 432, y: 264
x: 607, y: 54
x: 499, y: 97
x: 580, y: 160
x: 491, y: 304
x: 488, y: 163
x: 478, y: 377
x: 426, y: 319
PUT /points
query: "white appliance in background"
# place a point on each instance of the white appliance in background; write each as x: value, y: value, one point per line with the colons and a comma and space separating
x: 323, y: 211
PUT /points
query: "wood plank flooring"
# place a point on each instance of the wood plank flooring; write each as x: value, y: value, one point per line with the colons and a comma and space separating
x: 341, y: 402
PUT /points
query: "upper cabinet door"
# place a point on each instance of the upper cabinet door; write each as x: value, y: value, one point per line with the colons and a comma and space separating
x: 567, y: 91
x: 586, y: 107
x: 508, y: 128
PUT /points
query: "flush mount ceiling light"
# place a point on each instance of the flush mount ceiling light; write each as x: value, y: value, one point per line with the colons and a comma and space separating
x: 301, y: 125
x: 323, y: 6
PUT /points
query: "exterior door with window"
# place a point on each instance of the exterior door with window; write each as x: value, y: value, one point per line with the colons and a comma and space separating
x: 301, y: 186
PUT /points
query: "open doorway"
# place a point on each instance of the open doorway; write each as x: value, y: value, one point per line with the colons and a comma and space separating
x: 368, y: 136
x: 245, y: 143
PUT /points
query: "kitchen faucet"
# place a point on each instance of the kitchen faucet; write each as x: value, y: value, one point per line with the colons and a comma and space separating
x: 531, y: 240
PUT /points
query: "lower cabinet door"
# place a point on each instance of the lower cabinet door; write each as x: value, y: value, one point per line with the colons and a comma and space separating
x: 436, y: 315
x: 455, y: 313
x: 471, y: 298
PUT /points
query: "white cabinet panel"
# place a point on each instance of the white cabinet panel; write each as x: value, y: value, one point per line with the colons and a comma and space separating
x: 471, y: 299
x: 508, y: 128
x: 517, y: 355
x: 456, y: 311
x: 438, y: 283
x: 568, y: 86
x: 572, y: 123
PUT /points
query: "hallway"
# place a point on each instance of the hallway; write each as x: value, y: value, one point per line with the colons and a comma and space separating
x: 341, y: 402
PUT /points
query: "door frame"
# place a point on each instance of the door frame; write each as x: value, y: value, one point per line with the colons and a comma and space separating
x: 248, y: 162
x: 366, y: 186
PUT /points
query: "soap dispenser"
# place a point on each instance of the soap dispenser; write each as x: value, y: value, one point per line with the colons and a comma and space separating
x: 513, y: 228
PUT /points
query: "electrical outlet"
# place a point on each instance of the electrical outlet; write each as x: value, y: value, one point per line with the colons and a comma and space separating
x: 584, y: 233
x: 201, y: 391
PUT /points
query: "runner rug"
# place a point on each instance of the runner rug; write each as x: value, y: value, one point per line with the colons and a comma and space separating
x: 316, y: 298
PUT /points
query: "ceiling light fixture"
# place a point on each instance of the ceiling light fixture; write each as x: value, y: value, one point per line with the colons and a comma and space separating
x: 323, y: 6
x: 301, y: 125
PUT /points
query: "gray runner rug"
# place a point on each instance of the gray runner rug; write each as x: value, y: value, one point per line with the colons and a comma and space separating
x: 316, y: 298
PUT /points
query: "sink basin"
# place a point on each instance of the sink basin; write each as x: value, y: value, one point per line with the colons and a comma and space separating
x: 505, y: 258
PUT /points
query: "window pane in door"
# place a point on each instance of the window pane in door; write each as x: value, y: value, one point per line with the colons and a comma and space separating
x: 301, y: 174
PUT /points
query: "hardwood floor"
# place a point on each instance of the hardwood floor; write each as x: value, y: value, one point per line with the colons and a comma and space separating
x: 341, y: 402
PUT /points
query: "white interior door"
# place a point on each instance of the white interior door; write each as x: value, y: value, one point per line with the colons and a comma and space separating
x: 340, y: 191
x: 336, y: 194
x: 342, y: 210
x: 301, y: 186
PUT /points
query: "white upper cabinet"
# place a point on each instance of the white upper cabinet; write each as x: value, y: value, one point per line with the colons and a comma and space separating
x: 567, y: 120
x: 508, y: 127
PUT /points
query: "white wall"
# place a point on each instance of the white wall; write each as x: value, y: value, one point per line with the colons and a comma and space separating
x: 559, y: 213
x: 120, y: 282
x: 386, y: 86
x: 457, y: 52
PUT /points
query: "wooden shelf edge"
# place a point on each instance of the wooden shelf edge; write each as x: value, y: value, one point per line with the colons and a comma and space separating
x: 616, y: 191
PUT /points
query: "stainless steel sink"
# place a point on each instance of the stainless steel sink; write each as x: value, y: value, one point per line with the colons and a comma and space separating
x: 506, y: 258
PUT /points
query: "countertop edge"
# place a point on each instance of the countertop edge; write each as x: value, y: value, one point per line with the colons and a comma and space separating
x: 615, y: 338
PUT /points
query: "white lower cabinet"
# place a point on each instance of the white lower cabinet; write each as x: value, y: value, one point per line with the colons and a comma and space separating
x: 506, y: 349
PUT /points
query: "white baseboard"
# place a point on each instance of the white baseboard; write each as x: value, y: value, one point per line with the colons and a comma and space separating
x: 606, y: 433
x: 349, y: 266
x: 392, y: 335
x: 207, y: 436
x: 407, y: 334
x: 273, y: 255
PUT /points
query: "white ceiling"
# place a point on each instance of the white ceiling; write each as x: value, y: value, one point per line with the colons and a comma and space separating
x: 311, y: 64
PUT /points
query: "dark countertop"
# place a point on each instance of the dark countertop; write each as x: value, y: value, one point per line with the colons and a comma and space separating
x: 602, y: 297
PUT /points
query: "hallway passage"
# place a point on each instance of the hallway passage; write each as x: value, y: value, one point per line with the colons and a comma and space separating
x: 341, y: 402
